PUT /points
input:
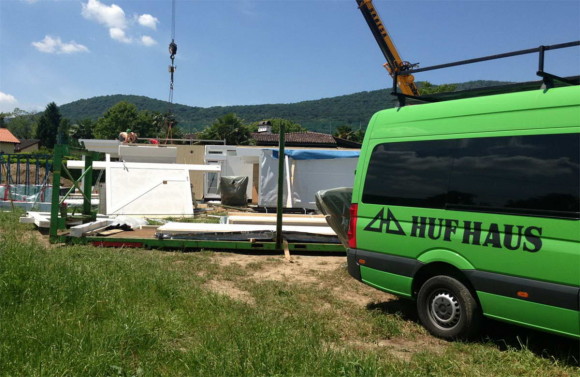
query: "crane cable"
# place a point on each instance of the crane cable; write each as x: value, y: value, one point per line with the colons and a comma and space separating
x: 169, y: 122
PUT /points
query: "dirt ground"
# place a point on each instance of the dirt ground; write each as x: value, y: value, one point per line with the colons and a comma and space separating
x: 313, y: 271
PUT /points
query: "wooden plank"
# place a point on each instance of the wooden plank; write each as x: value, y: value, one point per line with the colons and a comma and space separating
x: 180, y: 228
x: 263, y: 220
x: 286, y: 251
x: 259, y: 214
x: 110, y: 232
x: 80, y: 230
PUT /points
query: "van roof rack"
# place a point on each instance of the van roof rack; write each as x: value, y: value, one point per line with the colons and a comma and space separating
x: 548, y: 80
x: 491, y: 90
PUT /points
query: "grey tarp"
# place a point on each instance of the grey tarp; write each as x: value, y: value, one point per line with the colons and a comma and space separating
x: 335, y: 204
x: 233, y: 191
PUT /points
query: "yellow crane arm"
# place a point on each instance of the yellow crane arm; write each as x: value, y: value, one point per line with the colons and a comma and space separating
x: 394, y: 64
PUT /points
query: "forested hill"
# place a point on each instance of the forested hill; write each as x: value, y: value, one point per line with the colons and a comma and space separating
x: 321, y: 115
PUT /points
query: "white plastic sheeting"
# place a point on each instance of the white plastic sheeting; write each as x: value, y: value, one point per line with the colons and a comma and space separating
x: 305, y: 176
x: 268, y: 193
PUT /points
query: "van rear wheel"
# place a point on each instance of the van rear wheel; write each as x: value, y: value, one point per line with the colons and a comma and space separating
x: 448, y: 309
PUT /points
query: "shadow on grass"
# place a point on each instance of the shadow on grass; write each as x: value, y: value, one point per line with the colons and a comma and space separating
x: 504, y: 335
x: 405, y: 309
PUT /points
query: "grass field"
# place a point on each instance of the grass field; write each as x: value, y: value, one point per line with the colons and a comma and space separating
x: 85, y: 311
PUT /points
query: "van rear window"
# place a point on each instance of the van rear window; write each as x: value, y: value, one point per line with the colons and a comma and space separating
x: 536, y: 175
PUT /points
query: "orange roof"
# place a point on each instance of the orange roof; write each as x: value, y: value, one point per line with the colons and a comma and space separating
x: 7, y: 137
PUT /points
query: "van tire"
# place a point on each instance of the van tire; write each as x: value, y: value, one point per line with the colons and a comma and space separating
x: 448, y: 309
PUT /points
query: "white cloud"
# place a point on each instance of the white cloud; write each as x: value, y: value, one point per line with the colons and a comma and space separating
x: 54, y: 45
x: 7, y: 102
x: 148, y: 20
x: 118, y: 34
x: 148, y: 41
x: 111, y: 16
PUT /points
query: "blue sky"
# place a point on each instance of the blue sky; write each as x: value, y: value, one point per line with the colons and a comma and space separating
x: 241, y: 52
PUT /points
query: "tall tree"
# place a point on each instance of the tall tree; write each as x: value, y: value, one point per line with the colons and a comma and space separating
x: 83, y: 129
x: 2, y: 117
x: 147, y: 124
x: 22, y: 124
x: 359, y: 136
x: 120, y: 117
x: 64, y: 130
x: 229, y: 128
x: 347, y: 133
x: 48, y: 125
x: 344, y: 132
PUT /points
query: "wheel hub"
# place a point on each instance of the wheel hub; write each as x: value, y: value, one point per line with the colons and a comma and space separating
x: 445, y: 309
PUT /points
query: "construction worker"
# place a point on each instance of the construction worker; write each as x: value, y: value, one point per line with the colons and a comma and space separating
x: 127, y: 137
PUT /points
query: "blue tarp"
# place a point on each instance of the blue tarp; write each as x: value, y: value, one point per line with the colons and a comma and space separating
x: 309, y: 154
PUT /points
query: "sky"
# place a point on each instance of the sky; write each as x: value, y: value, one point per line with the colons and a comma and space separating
x: 246, y: 52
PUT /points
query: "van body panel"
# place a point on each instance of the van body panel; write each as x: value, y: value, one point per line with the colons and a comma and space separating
x: 530, y: 314
x: 446, y: 256
x: 417, y: 232
x: 531, y: 241
x: 392, y: 283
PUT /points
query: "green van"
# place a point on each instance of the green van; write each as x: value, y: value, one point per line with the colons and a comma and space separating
x: 471, y: 208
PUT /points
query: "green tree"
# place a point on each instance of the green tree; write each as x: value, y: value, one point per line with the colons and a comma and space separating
x: 120, y: 117
x: 83, y: 129
x: 359, y: 136
x: 21, y: 123
x: 146, y: 125
x: 64, y: 130
x: 229, y: 128
x: 160, y: 124
x: 2, y: 117
x: 344, y: 132
x: 425, y: 87
x: 347, y: 133
x: 48, y: 125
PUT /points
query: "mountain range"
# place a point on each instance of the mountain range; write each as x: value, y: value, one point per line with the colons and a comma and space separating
x: 323, y: 115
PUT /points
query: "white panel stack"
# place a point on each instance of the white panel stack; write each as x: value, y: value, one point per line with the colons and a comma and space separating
x: 148, y: 190
x: 148, y: 153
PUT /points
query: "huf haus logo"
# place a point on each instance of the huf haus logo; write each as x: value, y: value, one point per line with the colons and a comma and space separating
x: 500, y: 236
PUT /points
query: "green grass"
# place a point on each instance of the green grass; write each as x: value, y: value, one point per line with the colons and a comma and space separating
x: 85, y: 311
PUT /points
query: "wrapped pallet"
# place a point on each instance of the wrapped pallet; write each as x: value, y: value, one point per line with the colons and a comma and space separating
x: 233, y: 191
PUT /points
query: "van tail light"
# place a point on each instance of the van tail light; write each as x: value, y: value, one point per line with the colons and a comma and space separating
x: 352, y: 226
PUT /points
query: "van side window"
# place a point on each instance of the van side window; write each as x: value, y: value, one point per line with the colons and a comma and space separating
x: 536, y: 175
x: 414, y: 174
x: 533, y: 175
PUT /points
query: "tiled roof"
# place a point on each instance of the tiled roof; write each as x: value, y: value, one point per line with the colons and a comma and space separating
x: 7, y: 137
x: 25, y: 143
x: 307, y: 138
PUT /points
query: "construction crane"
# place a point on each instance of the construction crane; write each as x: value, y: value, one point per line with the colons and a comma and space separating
x: 169, y: 119
x: 394, y: 65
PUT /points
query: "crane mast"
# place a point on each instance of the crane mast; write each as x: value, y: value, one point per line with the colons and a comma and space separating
x: 394, y: 65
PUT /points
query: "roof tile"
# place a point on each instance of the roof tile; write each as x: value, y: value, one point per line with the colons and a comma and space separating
x: 296, y: 137
x: 7, y: 137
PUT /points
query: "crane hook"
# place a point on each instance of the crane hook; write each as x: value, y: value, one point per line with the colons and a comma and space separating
x: 172, y: 49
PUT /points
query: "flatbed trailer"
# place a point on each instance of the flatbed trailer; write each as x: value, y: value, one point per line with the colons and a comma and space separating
x: 147, y: 236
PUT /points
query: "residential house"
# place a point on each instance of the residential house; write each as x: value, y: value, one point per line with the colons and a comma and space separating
x: 307, y: 139
x: 27, y: 146
x: 7, y: 141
